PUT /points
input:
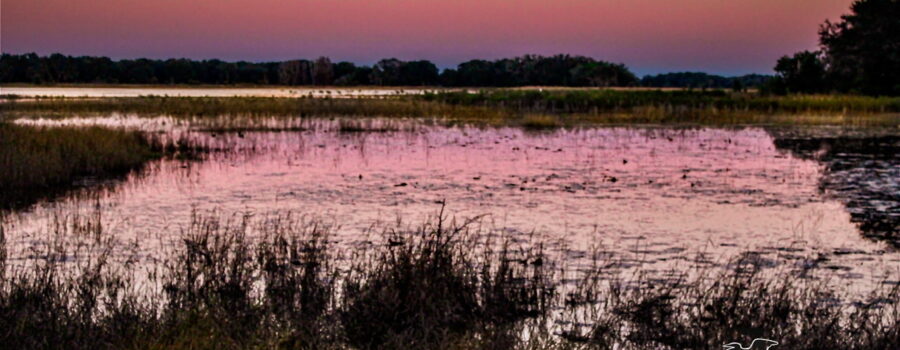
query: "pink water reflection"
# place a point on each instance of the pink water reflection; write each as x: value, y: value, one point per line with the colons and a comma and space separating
x: 659, y: 196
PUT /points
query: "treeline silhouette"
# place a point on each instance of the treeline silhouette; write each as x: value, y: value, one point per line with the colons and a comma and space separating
x: 702, y: 80
x: 558, y: 70
x: 858, y: 54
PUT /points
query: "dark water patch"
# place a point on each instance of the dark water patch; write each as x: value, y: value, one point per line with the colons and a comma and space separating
x: 863, y: 173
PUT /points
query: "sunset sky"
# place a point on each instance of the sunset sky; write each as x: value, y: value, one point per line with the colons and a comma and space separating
x: 650, y: 36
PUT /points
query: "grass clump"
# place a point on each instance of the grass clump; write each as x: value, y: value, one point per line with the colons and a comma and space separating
x: 35, y: 161
x: 429, y: 290
x: 540, y: 122
x: 39, y: 162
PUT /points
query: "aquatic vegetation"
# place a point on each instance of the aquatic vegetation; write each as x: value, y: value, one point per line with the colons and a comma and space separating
x: 36, y: 162
x: 540, y: 121
x: 744, y: 303
x: 437, y: 286
x: 610, y: 100
x: 212, y: 107
x: 368, y: 125
x: 501, y: 107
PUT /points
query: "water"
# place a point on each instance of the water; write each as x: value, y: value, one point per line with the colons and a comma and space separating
x: 657, y: 198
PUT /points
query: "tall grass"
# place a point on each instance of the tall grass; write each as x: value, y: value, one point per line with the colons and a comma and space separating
x: 39, y: 161
x: 507, y: 107
x: 586, y: 101
x: 395, y: 107
x: 280, y: 283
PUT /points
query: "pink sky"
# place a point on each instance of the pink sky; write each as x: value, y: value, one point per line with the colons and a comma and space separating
x: 720, y: 36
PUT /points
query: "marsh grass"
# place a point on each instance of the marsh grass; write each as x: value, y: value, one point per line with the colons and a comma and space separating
x: 35, y: 160
x: 184, y: 107
x: 740, y: 304
x: 585, y: 101
x: 38, y: 162
x: 714, y: 107
x: 540, y: 121
x: 366, y: 125
x: 231, y: 282
x: 502, y: 107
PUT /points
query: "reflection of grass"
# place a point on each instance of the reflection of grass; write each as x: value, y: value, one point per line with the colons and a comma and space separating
x: 435, y: 287
x: 36, y: 161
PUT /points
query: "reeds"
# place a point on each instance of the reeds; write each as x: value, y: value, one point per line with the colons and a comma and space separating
x: 540, y: 122
x: 232, y: 282
x: 503, y: 107
x: 184, y: 107
x: 36, y: 162
x: 599, y: 100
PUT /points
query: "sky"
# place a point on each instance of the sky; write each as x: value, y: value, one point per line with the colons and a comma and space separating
x: 650, y: 36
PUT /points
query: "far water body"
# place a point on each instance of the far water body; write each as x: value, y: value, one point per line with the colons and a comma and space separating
x: 653, y: 198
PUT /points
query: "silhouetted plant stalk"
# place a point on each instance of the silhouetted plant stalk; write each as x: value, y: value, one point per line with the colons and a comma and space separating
x: 278, y: 281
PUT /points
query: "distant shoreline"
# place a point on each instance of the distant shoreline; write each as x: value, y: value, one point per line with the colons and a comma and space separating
x: 21, y: 90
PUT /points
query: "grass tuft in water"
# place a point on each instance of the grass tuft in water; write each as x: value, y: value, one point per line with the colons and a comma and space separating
x: 37, y: 162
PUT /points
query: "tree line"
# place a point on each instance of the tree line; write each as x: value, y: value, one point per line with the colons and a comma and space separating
x: 858, y: 54
x: 558, y: 70
x: 700, y: 80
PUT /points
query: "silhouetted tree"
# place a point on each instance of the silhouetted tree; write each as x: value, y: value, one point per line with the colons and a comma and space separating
x: 387, y: 72
x: 294, y: 72
x: 418, y: 73
x: 863, y: 49
x: 803, y: 72
x: 323, y: 72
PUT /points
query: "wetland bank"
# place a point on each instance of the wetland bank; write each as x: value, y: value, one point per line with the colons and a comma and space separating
x: 556, y: 219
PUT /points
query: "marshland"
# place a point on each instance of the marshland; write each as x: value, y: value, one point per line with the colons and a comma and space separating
x: 530, y: 202
x: 484, y: 219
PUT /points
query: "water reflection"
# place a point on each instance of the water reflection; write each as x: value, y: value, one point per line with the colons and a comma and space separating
x: 656, y: 199
x: 863, y: 173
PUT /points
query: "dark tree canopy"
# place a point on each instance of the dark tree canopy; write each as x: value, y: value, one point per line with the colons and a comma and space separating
x: 803, y: 72
x: 863, y: 49
x: 558, y: 70
x: 859, y: 54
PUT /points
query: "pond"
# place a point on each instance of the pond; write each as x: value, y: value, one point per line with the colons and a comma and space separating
x: 656, y: 198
